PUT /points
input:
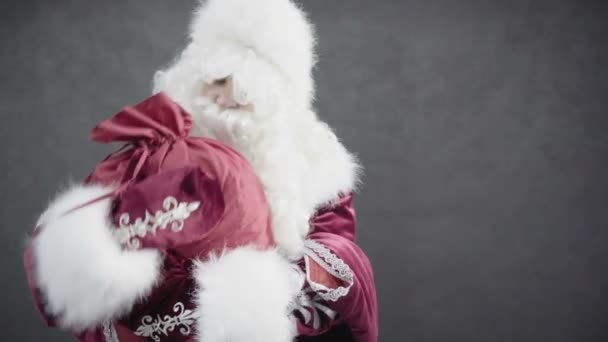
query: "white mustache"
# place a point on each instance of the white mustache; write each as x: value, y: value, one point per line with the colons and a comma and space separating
x: 227, y: 125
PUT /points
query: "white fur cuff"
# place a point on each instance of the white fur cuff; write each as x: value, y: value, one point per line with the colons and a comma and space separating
x: 244, y: 295
x: 84, y: 275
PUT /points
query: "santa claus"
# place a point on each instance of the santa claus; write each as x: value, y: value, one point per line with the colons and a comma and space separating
x: 245, y: 80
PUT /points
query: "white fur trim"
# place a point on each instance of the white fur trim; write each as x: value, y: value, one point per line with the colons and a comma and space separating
x: 333, y: 170
x: 275, y: 30
x: 244, y: 295
x: 83, y: 273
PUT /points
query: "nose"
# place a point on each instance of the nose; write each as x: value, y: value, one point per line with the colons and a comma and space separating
x: 224, y: 99
x: 210, y: 90
x: 220, y: 93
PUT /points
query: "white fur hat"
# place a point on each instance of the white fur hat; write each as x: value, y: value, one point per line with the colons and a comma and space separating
x: 276, y: 32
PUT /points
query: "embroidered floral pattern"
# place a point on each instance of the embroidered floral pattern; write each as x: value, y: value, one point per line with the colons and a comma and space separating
x: 173, y: 213
x: 155, y: 327
x: 109, y: 332
x: 332, y: 264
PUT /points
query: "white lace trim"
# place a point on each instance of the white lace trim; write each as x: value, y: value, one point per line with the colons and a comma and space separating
x: 332, y: 264
x: 173, y: 213
x: 109, y: 332
x: 155, y: 327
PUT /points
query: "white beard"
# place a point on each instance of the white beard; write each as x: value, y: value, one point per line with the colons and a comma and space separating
x: 266, y: 143
x: 231, y: 126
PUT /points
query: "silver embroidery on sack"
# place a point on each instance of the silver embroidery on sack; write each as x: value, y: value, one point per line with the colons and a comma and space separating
x: 154, y: 328
x: 109, y: 332
x: 173, y: 213
x: 332, y: 264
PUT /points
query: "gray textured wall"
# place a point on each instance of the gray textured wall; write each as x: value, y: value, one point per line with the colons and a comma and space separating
x: 482, y: 126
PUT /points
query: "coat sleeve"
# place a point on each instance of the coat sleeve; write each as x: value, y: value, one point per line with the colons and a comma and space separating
x: 339, y: 291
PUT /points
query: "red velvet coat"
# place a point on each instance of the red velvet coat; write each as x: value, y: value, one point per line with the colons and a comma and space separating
x: 163, y: 170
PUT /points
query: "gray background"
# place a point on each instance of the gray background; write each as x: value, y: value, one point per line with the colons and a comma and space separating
x: 482, y: 127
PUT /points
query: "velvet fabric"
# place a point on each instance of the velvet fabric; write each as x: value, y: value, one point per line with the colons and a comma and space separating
x: 334, y: 227
x: 160, y: 160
